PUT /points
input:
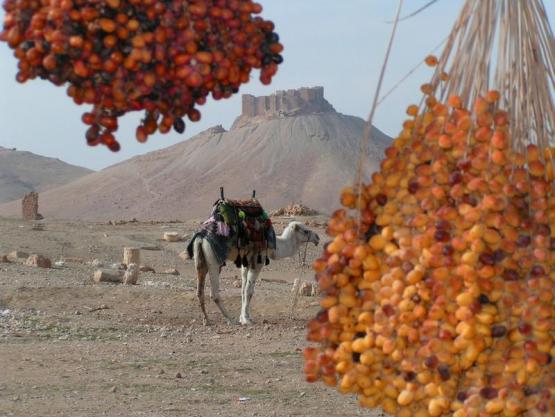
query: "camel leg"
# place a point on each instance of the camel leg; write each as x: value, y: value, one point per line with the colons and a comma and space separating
x: 202, y: 270
x: 244, y: 277
x: 201, y: 281
x: 252, y: 275
x: 214, y: 272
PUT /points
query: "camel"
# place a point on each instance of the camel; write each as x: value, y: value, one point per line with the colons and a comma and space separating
x: 287, y: 244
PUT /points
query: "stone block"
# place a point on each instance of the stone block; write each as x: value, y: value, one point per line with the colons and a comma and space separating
x: 18, y: 256
x: 38, y: 261
x: 172, y: 237
x: 108, y: 275
x: 131, y: 274
x: 131, y: 256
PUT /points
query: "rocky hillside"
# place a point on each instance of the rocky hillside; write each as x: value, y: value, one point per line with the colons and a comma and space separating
x: 22, y: 172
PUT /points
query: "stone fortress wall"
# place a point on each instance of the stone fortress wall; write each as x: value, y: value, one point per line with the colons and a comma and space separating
x: 289, y: 102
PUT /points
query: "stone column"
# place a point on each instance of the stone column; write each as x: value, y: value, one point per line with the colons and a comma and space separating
x: 30, y: 206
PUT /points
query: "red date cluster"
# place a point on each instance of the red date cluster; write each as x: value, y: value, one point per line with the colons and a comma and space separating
x: 163, y: 57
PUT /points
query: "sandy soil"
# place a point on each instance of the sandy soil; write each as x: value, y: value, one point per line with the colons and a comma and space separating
x: 70, y: 347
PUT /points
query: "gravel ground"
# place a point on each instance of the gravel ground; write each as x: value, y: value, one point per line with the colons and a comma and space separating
x: 71, y: 347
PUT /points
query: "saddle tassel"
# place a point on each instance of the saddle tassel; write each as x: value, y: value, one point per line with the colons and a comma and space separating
x: 238, y: 261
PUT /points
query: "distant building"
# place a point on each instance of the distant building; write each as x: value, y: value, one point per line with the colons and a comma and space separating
x: 289, y: 102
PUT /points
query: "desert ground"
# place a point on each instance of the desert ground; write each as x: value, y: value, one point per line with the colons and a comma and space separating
x: 73, y: 347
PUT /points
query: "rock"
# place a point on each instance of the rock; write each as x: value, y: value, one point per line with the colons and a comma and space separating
x: 97, y: 263
x: 294, y: 210
x: 113, y: 389
x: 178, y: 375
x: 184, y: 256
x: 146, y: 268
x: 172, y: 237
x: 315, y: 290
x: 18, y: 256
x: 108, y: 275
x: 59, y: 264
x: 131, y: 256
x: 4, y: 259
x: 214, y: 130
x: 131, y: 275
x: 236, y: 283
x: 307, y: 289
x: 38, y: 261
x: 171, y: 271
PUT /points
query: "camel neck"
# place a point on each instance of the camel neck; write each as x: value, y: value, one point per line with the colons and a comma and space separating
x: 286, y: 244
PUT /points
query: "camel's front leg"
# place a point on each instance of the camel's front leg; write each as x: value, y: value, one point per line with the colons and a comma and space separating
x: 252, y: 275
x: 244, y: 277
x: 214, y: 272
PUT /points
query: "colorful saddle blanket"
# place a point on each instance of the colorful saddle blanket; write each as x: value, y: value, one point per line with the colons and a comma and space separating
x: 241, y: 224
x: 245, y: 222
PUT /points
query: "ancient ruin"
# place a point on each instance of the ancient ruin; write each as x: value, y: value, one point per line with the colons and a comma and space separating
x: 30, y: 206
x: 286, y: 103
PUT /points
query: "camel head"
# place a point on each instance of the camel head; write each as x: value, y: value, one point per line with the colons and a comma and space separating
x: 303, y: 234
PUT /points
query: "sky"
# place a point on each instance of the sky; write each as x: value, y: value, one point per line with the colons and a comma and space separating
x: 339, y: 45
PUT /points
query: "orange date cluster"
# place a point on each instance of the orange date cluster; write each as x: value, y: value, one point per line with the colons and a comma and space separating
x: 439, y: 281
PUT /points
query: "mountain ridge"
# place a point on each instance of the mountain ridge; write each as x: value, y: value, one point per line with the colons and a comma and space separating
x: 23, y: 171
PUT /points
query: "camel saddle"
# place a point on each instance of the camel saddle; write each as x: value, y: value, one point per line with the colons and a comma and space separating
x: 247, y: 220
x: 241, y: 224
x: 233, y: 211
x: 251, y: 208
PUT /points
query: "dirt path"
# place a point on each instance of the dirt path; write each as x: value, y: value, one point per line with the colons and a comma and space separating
x: 69, y: 347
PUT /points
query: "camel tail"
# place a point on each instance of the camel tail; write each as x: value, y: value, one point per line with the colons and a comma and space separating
x: 190, y: 246
x: 195, y: 251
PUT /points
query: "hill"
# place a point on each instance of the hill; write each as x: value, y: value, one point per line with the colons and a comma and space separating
x: 22, y: 172
x: 291, y: 146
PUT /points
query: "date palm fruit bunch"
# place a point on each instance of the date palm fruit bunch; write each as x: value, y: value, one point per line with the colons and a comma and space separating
x: 161, y: 57
x: 438, y: 284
